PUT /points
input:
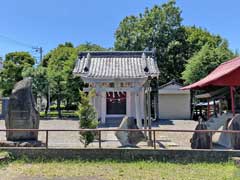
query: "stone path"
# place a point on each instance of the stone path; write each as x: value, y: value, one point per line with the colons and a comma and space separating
x: 71, y: 139
x: 173, y: 140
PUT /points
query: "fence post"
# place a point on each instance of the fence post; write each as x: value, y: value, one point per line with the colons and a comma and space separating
x: 46, y: 139
x: 99, y: 139
x: 154, y: 139
x: 211, y: 144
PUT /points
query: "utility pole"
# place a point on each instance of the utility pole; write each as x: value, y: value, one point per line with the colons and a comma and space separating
x: 40, y: 51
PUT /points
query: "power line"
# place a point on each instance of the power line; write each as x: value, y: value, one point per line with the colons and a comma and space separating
x: 16, y: 41
x: 35, y: 48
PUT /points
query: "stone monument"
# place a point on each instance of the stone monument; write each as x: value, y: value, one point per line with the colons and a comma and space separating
x: 22, y: 113
x: 129, y: 138
x: 234, y: 124
x: 201, y: 140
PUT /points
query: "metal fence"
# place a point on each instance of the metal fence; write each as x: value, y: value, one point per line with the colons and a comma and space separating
x: 99, y: 133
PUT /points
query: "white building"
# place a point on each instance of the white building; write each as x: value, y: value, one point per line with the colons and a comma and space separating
x: 120, y: 80
x: 173, y: 102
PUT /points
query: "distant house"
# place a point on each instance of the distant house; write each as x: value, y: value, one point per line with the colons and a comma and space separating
x: 119, y: 78
x: 174, y: 103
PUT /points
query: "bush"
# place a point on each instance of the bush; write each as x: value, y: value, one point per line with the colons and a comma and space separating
x: 88, y: 118
x: 66, y: 114
x: 54, y: 107
x: 71, y: 107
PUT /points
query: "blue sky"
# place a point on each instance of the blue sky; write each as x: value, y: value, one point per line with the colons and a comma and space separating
x: 47, y: 23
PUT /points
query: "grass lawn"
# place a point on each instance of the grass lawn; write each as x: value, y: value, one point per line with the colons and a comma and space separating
x: 99, y: 170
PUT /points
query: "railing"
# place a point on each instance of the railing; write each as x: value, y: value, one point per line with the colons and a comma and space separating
x: 99, y: 131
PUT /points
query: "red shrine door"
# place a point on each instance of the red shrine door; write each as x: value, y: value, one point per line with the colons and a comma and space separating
x: 116, y: 103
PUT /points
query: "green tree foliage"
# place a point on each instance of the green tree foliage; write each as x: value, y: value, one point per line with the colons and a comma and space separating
x: 88, y: 118
x: 40, y: 84
x: 59, y: 65
x: 89, y: 47
x: 205, y: 61
x: 14, y: 64
x: 198, y: 37
x: 160, y: 28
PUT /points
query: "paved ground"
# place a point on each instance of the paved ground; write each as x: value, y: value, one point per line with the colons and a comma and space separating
x: 71, y: 139
x: 175, y: 140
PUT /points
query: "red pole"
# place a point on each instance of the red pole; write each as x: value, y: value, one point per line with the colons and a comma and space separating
x: 232, y: 100
x: 208, y: 110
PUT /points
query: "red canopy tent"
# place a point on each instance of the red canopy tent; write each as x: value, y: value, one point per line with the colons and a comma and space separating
x: 226, y: 74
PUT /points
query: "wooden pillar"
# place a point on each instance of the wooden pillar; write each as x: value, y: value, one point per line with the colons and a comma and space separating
x: 137, y: 105
x: 208, y: 110
x: 155, y: 106
x: 145, y: 113
x: 220, y: 106
x: 150, y: 142
x: 128, y: 105
x: 215, y: 108
x: 232, y: 99
x: 103, y: 108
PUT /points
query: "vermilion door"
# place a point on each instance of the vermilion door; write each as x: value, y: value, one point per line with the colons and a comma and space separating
x: 116, y: 103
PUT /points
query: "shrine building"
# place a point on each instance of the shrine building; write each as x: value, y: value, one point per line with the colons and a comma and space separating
x: 120, y: 79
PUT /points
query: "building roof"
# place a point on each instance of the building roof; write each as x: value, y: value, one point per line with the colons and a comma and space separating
x: 227, y: 74
x: 172, y: 82
x: 172, y: 87
x: 219, y: 93
x: 116, y: 65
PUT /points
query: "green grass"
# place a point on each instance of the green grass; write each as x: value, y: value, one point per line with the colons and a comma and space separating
x: 64, y: 114
x: 145, y: 170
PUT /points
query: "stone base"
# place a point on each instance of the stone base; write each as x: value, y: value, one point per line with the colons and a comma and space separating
x: 236, y: 161
x: 22, y: 136
x: 22, y: 144
x: 128, y: 146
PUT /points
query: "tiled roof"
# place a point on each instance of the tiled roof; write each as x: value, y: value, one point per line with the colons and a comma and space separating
x: 116, y: 64
x: 172, y: 82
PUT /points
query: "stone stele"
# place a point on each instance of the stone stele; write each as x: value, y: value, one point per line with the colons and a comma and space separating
x: 130, y: 138
x: 234, y: 124
x: 22, y: 113
x: 201, y: 140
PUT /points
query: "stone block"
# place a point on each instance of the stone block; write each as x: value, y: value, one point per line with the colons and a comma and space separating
x: 129, y: 138
x: 201, y: 140
x: 234, y: 124
x: 22, y: 113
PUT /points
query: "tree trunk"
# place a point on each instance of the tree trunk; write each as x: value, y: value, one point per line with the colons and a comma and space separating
x: 59, y: 101
x: 46, y: 108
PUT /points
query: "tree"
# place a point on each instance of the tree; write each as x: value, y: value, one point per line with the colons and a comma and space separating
x: 58, y: 70
x: 73, y: 84
x: 205, y: 61
x: 89, y: 47
x: 160, y: 28
x: 88, y: 117
x: 198, y: 37
x: 40, y: 83
x: 60, y: 63
x: 14, y: 64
